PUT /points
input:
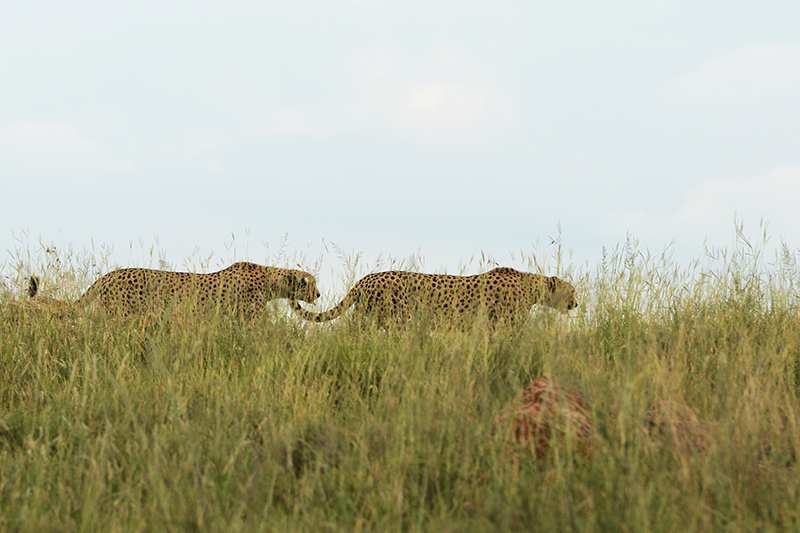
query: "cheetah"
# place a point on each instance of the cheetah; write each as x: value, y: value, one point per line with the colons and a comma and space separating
x: 242, y: 288
x: 502, y: 293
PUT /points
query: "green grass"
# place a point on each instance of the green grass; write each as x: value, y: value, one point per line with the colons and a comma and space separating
x: 190, y: 424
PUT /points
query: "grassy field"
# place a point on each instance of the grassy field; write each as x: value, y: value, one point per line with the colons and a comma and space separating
x: 182, y: 423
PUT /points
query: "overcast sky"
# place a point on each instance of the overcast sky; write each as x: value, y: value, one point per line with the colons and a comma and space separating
x: 448, y: 129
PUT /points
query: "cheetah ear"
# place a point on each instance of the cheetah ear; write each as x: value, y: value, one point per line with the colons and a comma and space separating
x: 552, y: 283
x: 298, y: 281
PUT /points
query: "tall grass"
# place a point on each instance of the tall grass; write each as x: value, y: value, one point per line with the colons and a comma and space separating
x: 207, y: 423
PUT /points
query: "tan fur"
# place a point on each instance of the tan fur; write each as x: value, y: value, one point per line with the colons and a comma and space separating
x: 502, y: 293
x: 240, y: 288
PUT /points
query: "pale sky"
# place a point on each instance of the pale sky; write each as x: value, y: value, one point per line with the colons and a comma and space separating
x: 446, y: 129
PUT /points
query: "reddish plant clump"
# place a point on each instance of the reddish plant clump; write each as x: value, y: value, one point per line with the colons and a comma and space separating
x: 542, y: 411
x: 680, y: 425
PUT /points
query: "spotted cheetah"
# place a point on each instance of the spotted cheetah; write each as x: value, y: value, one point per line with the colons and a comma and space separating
x: 502, y: 293
x: 242, y: 288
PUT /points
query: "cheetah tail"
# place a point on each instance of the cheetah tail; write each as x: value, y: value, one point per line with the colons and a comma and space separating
x: 336, y: 312
x: 33, y: 286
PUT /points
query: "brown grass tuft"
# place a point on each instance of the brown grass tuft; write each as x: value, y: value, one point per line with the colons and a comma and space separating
x: 542, y: 411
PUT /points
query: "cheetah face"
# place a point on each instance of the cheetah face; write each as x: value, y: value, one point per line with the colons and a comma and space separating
x: 304, y: 288
x: 561, y: 295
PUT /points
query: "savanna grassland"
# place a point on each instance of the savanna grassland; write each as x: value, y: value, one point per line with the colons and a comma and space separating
x: 178, y: 422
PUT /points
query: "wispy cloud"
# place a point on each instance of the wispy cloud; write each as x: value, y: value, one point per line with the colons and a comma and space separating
x: 751, y: 73
x: 445, y: 96
x: 277, y: 120
x: 439, y: 105
x: 54, y: 145
x: 711, y: 205
x: 195, y: 144
x: 368, y: 3
x: 60, y: 141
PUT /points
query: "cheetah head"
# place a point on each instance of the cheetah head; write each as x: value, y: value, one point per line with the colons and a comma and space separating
x: 560, y: 294
x: 302, y: 286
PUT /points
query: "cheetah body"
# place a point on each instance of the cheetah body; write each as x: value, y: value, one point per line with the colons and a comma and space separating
x: 242, y: 288
x: 502, y: 293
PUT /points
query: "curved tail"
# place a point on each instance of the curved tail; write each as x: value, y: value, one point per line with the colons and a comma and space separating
x: 336, y: 312
x: 33, y: 286
x: 33, y: 290
x: 59, y: 307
